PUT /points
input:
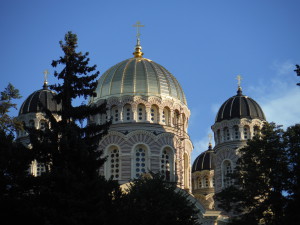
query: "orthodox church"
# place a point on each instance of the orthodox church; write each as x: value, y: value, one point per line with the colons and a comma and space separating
x: 150, y: 115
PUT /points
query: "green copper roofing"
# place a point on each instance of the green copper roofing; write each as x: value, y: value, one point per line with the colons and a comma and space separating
x: 139, y: 76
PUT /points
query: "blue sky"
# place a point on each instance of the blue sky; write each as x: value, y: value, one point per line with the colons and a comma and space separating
x: 204, y: 44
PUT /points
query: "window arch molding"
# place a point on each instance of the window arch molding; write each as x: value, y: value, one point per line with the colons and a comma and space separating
x: 115, y: 113
x: 171, y: 158
x: 246, y: 132
x: 141, y: 112
x: 166, y: 116
x: 225, y: 169
x: 127, y: 112
x: 107, y: 166
x: 154, y: 113
x: 140, y: 161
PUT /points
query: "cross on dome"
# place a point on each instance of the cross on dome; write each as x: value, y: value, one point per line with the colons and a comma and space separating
x: 239, y: 78
x: 138, y: 48
x: 46, y: 72
x: 209, y: 138
x: 138, y: 25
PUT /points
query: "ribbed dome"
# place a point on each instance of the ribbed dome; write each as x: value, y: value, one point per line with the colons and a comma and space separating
x: 204, y: 161
x: 138, y: 76
x: 43, y: 96
x: 240, y: 106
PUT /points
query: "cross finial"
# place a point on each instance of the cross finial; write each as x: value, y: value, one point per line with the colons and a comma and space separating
x: 138, y: 48
x: 209, y: 138
x: 138, y: 25
x: 46, y: 72
x: 239, y: 78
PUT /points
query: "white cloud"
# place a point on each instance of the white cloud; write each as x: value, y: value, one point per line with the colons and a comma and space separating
x: 279, y: 97
x: 283, y: 68
x: 283, y: 110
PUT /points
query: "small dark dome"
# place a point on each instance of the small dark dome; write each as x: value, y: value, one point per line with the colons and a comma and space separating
x: 240, y: 106
x: 43, y: 96
x: 204, y: 161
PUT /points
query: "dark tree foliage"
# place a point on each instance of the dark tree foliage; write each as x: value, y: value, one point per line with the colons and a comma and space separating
x: 71, y: 191
x: 297, y: 70
x: 15, y: 181
x: 292, y: 142
x: 7, y: 123
x: 151, y: 200
x: 260, y: 180
x: 14, y: 158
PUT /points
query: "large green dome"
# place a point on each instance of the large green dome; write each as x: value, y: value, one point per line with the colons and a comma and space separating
x: 138, y: 77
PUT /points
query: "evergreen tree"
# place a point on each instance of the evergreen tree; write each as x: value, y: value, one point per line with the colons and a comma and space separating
x: 72, y: 191
x: 297, y: 70
x: 8, y: 124
x: 15, y: 181
x: 292, y: 142
x: 150, y: 200
x: 257, y: 197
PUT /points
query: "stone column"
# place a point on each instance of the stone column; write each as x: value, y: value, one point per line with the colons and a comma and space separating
x: 171, y: 116
x: 134, y: 113
x: 148, y: 114
x: 121, y: 118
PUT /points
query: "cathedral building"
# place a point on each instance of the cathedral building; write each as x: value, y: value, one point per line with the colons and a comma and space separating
x: 150, y: 115
x: 238, y: 119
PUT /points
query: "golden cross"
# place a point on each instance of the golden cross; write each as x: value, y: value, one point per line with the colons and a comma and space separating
x: 210, y: 138
x: 138, y: 25
x: 239, y: 78
x: 46, y: 72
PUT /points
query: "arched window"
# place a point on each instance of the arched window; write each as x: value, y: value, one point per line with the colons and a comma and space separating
x: 199, y: 182
x: 40, y: 168
x: 246, y: 132
x: 226, y: 134
x: 226, y: 171
x: 141, y: 160
x: 167, y: 163
x: 113, y: 163
x: 236, y: 132
x: 141, y: 113
x: 154, y: 114
x: 127, y: 113
x: 115, y: 114
x: 166, y: 116
x: 256, y: 130
x: 206, y: 181
x: 37, y: 168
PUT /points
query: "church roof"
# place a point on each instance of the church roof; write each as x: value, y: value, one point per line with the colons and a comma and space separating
x: 139, y: 76
x: 204, y: 161
x: 40, y: 97
x: 240, y: 106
